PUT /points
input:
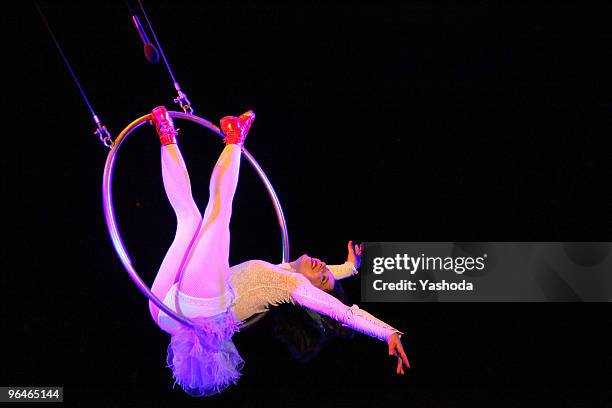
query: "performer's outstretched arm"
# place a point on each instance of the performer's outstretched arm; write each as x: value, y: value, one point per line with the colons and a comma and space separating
x: 307, y: 295
x: 342, y: 271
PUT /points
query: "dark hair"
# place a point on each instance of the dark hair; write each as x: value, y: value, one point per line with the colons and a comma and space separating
x: 305, y: 332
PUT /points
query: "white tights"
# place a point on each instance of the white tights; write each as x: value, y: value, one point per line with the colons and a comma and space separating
x: 206, y: 271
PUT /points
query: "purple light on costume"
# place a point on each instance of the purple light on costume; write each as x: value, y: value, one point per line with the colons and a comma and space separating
x: 111, y: 222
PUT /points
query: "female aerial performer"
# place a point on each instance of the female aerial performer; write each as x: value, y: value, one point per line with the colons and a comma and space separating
x: 217, y: 298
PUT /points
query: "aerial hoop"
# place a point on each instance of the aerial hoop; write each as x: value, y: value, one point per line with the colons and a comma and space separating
x: 111, y: 222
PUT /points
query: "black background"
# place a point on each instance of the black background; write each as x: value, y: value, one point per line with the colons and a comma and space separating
x: 375, y: 121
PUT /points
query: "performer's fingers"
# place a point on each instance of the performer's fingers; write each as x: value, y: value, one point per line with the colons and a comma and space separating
x: 399, y: 370
x: 350, y: 246
x: 405, y: 359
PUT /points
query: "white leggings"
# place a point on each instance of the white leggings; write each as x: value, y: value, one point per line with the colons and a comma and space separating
x: 206, y: 271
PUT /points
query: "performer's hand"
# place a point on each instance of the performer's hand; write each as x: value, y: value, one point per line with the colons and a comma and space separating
x: 396, y: 349
x: 354, y: 254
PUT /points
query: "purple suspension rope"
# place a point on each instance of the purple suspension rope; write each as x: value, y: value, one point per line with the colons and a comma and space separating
x: 101, y: 130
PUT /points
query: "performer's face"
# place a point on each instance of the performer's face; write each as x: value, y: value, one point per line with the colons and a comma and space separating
x: 316, y: 271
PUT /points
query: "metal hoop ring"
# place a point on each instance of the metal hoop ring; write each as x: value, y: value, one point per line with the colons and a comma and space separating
x: 111, y: 222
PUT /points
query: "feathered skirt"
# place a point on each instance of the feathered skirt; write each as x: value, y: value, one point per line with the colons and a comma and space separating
x: 203, y: 358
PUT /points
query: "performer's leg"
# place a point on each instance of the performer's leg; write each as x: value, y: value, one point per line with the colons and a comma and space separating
x: 177, y: 184
x: 207, y: 270
x: 178, y: 189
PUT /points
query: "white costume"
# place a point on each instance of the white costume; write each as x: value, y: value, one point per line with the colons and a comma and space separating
x: 255, y: 285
